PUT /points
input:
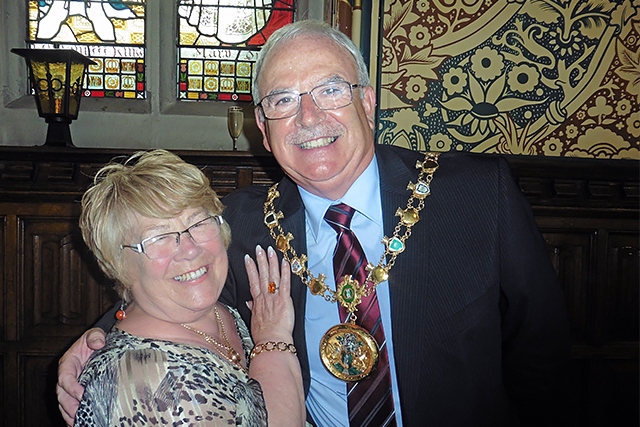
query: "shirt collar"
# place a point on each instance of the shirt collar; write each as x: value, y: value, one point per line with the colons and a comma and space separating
x: 363, y: 196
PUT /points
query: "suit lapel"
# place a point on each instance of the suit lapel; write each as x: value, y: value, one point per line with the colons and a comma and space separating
x: 408, y: 283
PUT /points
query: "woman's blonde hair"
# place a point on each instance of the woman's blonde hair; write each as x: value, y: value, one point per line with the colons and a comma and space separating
x: 154, y: 184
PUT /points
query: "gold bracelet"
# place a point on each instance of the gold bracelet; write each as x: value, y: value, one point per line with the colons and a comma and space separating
x: 271, y: 346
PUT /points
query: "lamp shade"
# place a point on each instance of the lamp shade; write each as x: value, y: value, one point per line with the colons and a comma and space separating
x: 56, y: 76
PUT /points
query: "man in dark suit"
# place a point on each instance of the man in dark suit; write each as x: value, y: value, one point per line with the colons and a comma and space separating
x: 475, y: 328
x: 479, y: 329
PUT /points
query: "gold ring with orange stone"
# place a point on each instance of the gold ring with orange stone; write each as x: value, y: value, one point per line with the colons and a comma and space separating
x: 272, y: 288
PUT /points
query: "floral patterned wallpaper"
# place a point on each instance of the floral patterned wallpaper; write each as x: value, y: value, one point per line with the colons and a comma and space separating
x: 532, y: 77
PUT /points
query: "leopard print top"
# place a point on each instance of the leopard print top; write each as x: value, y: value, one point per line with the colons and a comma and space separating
x: 135, y: 381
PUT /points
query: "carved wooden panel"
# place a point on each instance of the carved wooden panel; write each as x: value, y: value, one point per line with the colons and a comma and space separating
x: 3, y: 279
x: 57, y: 278
x: 621, y: 287
x: 597, y: 260
x: 3, y: 382
x: 569, y: 252
x: 10, y: 292
x: 611, y: 393
x: 38, y: 374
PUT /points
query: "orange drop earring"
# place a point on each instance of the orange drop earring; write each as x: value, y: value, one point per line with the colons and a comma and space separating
x: 120, y: 314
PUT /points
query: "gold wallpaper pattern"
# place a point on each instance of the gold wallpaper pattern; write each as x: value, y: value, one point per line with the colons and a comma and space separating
x: 531, y: 77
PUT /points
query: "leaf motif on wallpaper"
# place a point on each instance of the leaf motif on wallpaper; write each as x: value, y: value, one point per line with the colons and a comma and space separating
x: 515, y: 140
x: 621, y: 16
x: 601, y: 112
x: 391, y: 78
x: 575, y: 16
x: 407, y: 58
x: 395, y: 20
x: 526, y: 45
x: 420, y: 64
x: 402, y: 130
x: 629, y: 71
x: 470, y: 114
x: 570, y: 74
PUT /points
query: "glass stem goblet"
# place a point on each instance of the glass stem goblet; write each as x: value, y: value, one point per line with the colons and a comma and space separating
x: 235, y: 119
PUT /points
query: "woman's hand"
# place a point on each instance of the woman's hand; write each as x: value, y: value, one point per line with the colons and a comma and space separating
x: 272, y: 314
x: 272, y: 318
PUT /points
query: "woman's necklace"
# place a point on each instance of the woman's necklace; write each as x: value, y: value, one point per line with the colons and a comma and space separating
x: 226, y: 350
x: 347, y: 350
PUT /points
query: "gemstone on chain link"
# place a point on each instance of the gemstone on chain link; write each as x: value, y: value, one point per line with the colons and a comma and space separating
x: 422, y: 188
x: 271, y: 219
x: 347, y: 293
x: 282, y: 242
x: 316, y: 286
x: 394, y: 244
x: 430, y: 165
x: 296, y: 265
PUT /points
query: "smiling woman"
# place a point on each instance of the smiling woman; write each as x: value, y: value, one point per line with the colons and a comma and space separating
x: 177, y: 353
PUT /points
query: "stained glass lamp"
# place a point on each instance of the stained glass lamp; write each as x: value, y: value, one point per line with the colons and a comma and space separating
x: 56, y: 76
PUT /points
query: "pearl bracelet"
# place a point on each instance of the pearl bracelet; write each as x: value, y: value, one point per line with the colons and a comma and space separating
x: 271, y: 346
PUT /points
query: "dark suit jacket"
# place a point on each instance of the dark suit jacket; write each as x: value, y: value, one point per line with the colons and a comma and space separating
x: 479, y: 323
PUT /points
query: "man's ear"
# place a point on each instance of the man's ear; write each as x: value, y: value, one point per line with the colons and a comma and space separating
x: 261, y: 121
x: 369, y: 105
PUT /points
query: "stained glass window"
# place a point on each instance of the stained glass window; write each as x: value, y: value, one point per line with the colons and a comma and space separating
x: 217, y: 45
x: 110, y: 32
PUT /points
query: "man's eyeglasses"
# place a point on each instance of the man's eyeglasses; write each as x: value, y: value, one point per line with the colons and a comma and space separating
x: 328, y: 96
x: 166, y: 244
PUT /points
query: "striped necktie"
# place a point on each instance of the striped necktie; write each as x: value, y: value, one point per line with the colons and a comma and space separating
x: 370, y: 399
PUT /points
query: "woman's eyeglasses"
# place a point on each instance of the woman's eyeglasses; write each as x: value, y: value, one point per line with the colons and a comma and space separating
x: 166, y: 244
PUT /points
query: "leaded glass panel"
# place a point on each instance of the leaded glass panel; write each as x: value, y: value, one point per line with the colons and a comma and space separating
x: 111, y: 32
x: 217, y: 45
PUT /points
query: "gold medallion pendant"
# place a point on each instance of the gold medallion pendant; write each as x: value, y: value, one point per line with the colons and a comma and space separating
x: 348, y: 352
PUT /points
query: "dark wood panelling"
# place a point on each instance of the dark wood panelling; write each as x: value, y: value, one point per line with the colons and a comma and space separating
x: 51, y: 289
x: 3, y: 400
x: 569, y: 253
x: 37, y: 382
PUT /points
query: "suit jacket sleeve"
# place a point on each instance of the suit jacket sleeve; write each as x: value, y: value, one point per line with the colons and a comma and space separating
x: 480, y: 330
x: 535, y: 325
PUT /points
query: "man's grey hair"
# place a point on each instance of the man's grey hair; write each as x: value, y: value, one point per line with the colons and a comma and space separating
x: 308, y: 28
